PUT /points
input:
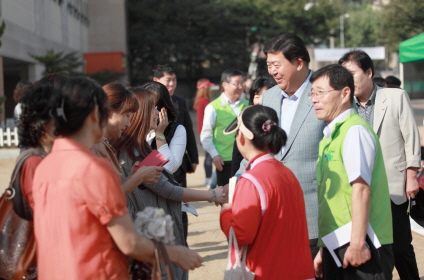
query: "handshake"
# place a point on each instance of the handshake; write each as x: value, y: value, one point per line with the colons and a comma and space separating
x: 220, y: 195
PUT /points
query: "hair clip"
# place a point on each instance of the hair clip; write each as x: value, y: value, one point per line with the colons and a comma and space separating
x: 266, y: 127
x: 60, y: 111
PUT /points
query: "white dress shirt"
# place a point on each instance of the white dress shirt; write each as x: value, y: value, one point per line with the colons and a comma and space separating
x: 359, y: 149
x: 289, y: 107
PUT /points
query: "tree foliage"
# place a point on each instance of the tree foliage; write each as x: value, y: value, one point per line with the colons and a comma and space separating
x: 56, y: 62
x: 363, y: 26
x: 189, y: 33
x: 402, y: 19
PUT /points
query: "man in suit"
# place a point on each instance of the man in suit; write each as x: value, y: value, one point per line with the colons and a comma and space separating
x: 288, y: 61
x: 166, y: 75
x: 390, y: 113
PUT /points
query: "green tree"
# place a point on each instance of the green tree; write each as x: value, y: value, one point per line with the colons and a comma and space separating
x: 56, y: 62
x: 188, y: 33
x: 402, y: 19
x: 363, y: 26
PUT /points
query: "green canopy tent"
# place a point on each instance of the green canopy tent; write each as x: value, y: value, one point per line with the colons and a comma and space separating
x: 411, y: 53
x: 412, y: 49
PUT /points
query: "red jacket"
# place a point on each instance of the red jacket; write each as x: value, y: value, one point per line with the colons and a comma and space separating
x: 272, y: 221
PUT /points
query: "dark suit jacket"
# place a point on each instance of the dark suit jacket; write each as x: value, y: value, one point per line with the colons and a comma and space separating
x: 184, y: 119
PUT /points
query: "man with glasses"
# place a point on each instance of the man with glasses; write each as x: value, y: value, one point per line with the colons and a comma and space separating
x: 389, y: 112
x: 352, y: 183
x: 218, y: 115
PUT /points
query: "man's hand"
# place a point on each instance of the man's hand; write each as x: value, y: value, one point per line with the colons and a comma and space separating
x: 356, y: 255
x: 412, y: 186
x: 184, y: 257
x: 318, y: 264
x: 218, y: 162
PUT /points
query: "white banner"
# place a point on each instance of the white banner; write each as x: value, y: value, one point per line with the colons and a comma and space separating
x: 376, y: 53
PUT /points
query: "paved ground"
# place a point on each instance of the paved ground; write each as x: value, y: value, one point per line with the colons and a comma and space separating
x: 205, y: 235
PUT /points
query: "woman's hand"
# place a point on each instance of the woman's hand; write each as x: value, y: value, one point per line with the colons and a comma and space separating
x: 184, y: 257
x: 221, y: 197
x: 148, y: 174
x: 163, y: 122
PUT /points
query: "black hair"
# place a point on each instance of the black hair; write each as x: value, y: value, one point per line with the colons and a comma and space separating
x: 160, y: 70
x: 393, y: 81
x: 379, y: 81
x: 35, y: 114
x: 53, y: 78
x: 254, y: 118
x: 259, y: 83
x: 229, y: 73
x: 22, y: 88
x: 338, y: 76
x: 361, y: 58
x: 164, y: 99
x: 73, y: 100
x: 290, y: 45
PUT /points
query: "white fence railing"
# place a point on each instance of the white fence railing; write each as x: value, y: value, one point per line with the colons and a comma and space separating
x: 9, y: 137
x: 8, y: 133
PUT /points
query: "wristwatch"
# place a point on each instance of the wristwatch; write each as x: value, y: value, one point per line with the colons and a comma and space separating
x: 160, y: 138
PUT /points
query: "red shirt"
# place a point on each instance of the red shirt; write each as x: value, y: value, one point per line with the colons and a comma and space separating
x: 275, y: 230
x: 76, y: 194
x: 201, y: 105
x: 27, y: 178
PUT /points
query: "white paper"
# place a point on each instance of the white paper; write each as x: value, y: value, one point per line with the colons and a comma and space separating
x: 342, y: 235
x: 232, y: 188
x: 189, y: 208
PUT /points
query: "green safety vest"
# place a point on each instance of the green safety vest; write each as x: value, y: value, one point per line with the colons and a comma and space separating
x: 335, y: 191
x: 224, y: 116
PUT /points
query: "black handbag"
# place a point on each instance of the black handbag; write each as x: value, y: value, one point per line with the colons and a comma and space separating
x: 146, y: 271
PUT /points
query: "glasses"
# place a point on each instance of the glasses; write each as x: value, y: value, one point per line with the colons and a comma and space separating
x: 237, y: 85
x: 320, y: 93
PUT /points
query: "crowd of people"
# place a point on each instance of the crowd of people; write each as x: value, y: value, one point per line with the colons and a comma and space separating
x: 313, y: 153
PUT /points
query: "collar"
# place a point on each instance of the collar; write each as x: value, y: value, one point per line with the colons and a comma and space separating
x: 225, y: 100
x: 67, y: 144
x: 258, y: 159
x: 370, y: 101
x: 339, y: 119
x: 299, y: 92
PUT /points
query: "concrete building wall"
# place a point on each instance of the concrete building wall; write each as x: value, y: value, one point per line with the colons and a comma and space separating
x: 108, y: 32
x: 33, y: 27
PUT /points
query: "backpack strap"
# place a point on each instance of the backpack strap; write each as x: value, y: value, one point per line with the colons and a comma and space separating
x: 259, y: 188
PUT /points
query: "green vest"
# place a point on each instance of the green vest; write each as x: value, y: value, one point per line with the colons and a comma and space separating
x: 224, y: 116
x: 335, y: 191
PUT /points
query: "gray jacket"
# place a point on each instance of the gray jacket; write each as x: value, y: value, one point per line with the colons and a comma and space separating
x: 166, y: 194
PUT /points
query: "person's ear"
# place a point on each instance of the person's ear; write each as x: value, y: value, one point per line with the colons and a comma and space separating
x: 242, y: 139
x: 299, y: 63
x: 346, y: 94
x: 369, y: 73
x: 155, y: 79
x: 94, y: 115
